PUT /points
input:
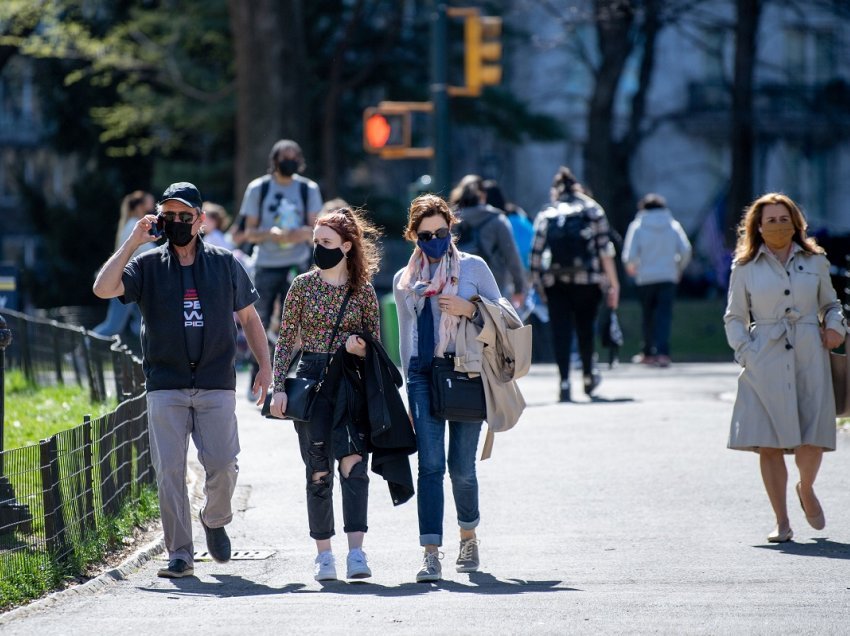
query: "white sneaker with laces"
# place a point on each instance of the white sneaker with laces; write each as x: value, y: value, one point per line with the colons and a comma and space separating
x: 431, y: 569
x: 358, y: 568
x: 325, y: 567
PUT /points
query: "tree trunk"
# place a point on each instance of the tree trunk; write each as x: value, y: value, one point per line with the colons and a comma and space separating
x: 605, y: 172
x: 270, y: 49
x: 742, y: 126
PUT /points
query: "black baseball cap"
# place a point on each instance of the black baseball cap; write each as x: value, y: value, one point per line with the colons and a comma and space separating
x: 184, y: 192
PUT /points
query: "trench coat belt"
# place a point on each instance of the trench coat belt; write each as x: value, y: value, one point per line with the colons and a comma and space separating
x: 785, y: 325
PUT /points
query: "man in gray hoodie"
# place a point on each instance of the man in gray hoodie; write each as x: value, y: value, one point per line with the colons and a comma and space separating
x: 486, y: 232
x: 655, y: 253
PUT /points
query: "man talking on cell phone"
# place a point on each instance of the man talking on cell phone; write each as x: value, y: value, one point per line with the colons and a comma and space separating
x: 188, y: 292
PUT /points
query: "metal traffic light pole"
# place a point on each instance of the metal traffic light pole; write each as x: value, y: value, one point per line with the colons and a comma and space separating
x: 441, y: 166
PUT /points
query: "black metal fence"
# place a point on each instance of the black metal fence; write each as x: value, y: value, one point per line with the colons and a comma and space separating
x: 49, y: 352
x: 55, y: 494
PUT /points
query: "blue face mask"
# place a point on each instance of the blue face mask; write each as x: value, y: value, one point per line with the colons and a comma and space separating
x: 436, y: 247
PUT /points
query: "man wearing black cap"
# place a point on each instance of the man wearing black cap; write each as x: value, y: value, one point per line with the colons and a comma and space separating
x: 187, y: 292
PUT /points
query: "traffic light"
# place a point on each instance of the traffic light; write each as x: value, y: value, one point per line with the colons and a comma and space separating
x: 482, y: 54
x: 387, y: 130
x: 483, y: 51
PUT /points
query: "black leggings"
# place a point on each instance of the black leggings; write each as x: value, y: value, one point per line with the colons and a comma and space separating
x: 573, y: 308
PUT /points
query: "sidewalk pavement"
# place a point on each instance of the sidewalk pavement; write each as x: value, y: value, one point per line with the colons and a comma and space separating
x: 622, y: 515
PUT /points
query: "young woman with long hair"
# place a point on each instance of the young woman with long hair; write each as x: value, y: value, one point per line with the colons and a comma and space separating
x: 346, y: 257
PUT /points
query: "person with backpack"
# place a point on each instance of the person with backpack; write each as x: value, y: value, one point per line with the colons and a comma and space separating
x: 655, y: 253
x: 280, y: 209
x: 572, y: 261
x: 486, y: 232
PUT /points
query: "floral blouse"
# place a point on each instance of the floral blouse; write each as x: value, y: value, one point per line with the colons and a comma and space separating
x: 310, y: 310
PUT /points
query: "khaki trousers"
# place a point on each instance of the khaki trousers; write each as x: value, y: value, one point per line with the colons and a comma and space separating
x: 209, y: 416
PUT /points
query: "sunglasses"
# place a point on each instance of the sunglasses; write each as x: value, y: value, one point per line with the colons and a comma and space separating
x: 442, y: 233
x: 183, y: 217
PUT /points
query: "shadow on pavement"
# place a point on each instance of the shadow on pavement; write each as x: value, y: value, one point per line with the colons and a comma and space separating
x: 236, y: 586
x: 482, y: 583
x: 823, y: 548
x: 228, y: 585
x: 591, y: 400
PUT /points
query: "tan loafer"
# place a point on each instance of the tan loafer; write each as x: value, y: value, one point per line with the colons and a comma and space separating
x: 818, y: 521
x: 780, y: 537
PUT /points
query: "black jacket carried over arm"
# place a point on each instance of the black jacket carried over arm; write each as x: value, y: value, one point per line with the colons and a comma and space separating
x: 390, y: 432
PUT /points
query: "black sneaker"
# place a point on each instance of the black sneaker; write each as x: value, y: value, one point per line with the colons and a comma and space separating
x: 218, y: 543
x: 564, y: 395
x: 177, y: 569
x: 592, y: 381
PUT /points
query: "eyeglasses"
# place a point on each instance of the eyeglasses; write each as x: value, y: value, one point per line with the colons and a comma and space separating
x: 183, y: 217
x: 441, y: 233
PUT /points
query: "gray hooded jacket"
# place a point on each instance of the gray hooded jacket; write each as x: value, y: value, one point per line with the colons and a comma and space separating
x: 658, y: 246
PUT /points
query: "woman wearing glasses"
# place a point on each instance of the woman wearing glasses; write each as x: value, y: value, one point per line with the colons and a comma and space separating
x: 432, y: 293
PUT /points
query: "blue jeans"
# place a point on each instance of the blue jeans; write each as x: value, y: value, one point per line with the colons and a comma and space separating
x: 431, y: 445
x: 118, y: 316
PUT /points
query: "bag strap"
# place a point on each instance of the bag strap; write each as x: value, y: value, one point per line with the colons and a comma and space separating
x: 265, y: 186
x: 333, y: 337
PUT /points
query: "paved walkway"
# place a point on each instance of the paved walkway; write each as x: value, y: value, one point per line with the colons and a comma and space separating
x: 625, y: 515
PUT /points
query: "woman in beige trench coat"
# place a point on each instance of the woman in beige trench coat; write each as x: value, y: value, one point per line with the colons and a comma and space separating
x: 782, y: 318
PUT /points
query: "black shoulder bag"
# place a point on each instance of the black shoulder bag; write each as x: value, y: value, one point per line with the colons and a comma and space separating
x: 454, y: 395
x: 301, y: 392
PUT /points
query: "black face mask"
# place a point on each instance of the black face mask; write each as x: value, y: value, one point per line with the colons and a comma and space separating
x: 325, y: 258
x: 287, y: 167
x: 177, y: 233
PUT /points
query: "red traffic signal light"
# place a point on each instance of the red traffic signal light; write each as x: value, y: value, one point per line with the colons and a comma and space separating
x: 387, y: 130
x: 384, y: 130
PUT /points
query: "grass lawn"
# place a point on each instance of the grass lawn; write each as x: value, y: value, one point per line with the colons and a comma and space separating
x: 35, y: 413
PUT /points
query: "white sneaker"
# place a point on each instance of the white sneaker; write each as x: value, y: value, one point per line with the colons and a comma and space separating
x: 325, y: 567
x: 358, y: 568
x: 431, y: 569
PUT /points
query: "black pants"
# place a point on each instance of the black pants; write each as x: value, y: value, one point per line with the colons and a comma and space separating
x: 573, y: 309
x: 317, y: 452
x: 656, y: 300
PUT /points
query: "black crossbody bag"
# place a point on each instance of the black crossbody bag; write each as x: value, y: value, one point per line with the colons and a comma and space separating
x: 301, y: 392
x: 454, y: 395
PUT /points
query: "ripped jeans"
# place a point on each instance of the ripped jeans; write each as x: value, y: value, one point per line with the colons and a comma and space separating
x: 317, y: 452
x: 431, y: 445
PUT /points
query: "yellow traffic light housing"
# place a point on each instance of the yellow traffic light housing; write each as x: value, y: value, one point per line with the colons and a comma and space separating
x: 387, y: 130
x: 482, y: 51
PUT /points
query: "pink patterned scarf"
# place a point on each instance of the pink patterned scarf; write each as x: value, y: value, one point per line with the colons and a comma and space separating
x: 416, y: 279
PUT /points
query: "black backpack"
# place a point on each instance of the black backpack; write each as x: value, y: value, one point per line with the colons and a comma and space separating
x: 469, y: 237
x: 571, y: 242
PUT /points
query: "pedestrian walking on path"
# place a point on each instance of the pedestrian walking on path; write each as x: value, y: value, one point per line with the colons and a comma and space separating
x: 572, y: 262
x: 782, y: 318
x: 187, y: 292
x: 118, y: 315
x: 280, y: 209
x: 432, y: 293
x: 655, y: 253
x: 326, y: 308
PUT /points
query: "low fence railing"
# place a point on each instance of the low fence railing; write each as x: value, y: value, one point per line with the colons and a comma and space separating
x: 54, y: 495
